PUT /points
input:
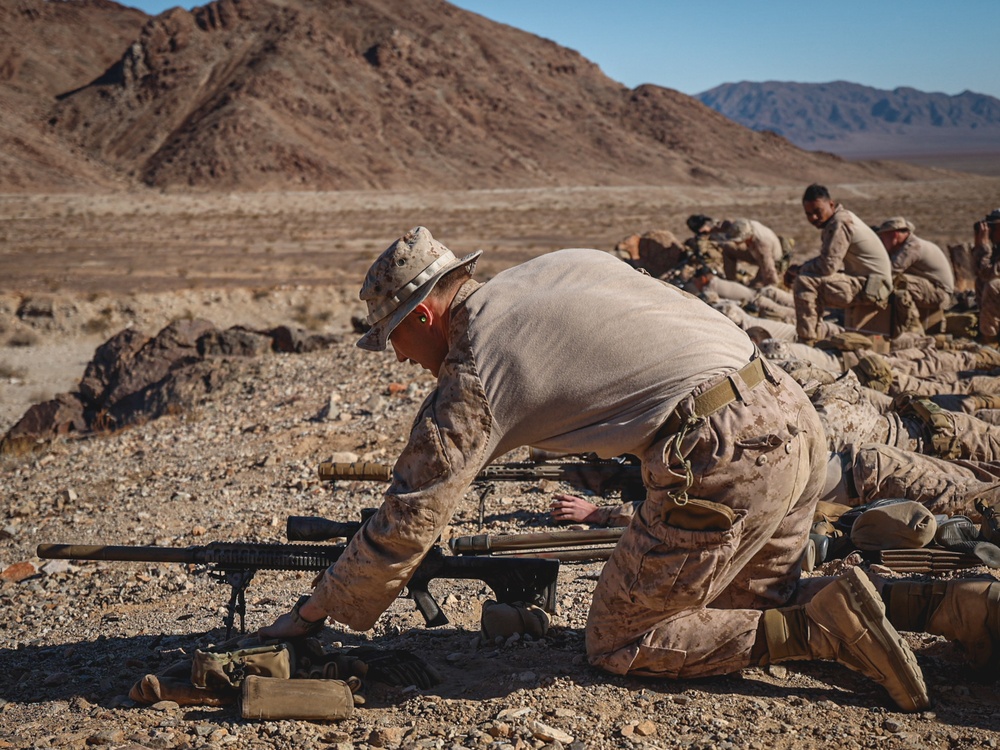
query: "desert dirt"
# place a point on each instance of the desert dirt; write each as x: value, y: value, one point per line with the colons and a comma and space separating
x: 75, y: 636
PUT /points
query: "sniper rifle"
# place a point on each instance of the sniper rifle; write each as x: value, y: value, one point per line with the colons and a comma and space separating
x: 236, y: 563
x: 598, y: 475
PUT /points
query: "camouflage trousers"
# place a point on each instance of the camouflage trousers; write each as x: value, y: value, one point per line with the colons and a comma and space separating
x: 925, y: 293
x: 988, y: 295
x: 675, y: 601
x: 813, y: 294
x: 944, y: 487
x: 943, y: 384
x: 767, y: 273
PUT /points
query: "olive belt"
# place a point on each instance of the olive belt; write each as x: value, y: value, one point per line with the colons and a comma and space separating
x: 722, y: 393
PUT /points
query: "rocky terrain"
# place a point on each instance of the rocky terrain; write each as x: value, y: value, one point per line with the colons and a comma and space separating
x: 242, y: 454
x: 76, y: 635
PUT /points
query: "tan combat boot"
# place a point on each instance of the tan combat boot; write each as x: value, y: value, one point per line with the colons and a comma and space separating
x: 967, y: 612
x: 845, y: 622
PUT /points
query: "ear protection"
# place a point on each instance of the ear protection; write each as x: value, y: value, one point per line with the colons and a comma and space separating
x: 423, y: 318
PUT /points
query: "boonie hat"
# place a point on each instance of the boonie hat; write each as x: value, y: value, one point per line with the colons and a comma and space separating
x: 993, y: 217
x: 894, y: 525
x: 401, y: 278
x: 895, y: 224
x: 739, y: 230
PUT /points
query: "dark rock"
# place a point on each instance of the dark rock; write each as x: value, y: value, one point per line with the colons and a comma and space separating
x: 127, y: 374
x: 234, y: 341
x: 42, y: 422
x: 297, y: 341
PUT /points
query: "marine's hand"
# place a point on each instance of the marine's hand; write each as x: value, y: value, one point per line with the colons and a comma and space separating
x: 982, y: 232
x: 306, y: 618
x: 571, y: 509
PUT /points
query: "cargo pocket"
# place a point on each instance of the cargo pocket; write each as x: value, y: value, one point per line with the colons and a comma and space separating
x: 678, y: 556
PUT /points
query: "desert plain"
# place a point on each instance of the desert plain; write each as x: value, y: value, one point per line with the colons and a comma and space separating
x: 75, y: 268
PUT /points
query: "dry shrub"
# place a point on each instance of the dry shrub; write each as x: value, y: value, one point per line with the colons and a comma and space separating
x: 10, y: 371
x: 23, y: 339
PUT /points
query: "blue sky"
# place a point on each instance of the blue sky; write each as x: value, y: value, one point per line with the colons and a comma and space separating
x: 930, y: 45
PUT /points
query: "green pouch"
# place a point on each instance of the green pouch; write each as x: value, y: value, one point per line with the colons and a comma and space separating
x: 228, y: 669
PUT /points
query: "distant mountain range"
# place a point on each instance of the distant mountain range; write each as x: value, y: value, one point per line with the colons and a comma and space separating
x: 348, y: 94
x: 859, y: 121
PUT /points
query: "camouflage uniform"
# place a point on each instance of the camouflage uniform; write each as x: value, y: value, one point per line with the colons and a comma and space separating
x: 986, y: 258
x: 539, y: 357
x: 852, y: 256
x: 851, y: 417
x: 924, y: 272
x: 754, y: 243
x: 944, y: 487
x: 678, y: 602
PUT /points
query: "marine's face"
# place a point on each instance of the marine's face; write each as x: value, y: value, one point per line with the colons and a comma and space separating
x: 413, y: 341
x: 819, y: 211
x: 892, y: 240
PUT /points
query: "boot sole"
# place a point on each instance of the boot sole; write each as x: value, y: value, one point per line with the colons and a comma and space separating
x: 866, y: 601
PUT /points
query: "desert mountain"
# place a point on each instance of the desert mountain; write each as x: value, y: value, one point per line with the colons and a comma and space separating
x: 854, y: 120
x: 48, y: 48
x: 354, y: 94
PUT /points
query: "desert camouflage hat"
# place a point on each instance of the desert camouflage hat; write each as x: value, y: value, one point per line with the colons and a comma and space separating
x: 401, y: 278
x: 739, y: 230
x: 993, y: 217
x: 895, y: 224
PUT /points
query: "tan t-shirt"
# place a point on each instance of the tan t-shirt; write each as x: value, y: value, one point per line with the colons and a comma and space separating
x: 922, y: 258
x: 573, y: 351
x: 849, y: 246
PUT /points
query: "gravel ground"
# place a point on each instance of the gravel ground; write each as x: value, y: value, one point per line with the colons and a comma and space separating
x: 75, y: 636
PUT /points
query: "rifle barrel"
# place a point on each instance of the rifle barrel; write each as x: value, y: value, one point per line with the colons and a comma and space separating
x: 119, y: 553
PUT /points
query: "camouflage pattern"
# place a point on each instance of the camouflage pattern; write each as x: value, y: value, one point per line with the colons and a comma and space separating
x: 988, y: 294
x: 944, y: 487
x: 850, y: 418
x: 986, y: 261
x: 813, y: 294
x: 403, y: 275
x: 677, y: 602
x: 752, y: 242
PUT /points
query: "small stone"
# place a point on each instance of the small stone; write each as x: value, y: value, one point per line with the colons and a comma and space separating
x: 165, y: 706
x: 52, y: 567
x: 68, y: 496
x: 18, y: 572
x: 106, y: 737
x: 199, y: 531
x: 528, y: 676
x: 386, y: 737
x: 204, y: 730
x: 645, y: 728
x: 498, y: 729
x: 627, y: 730
x: 891, y: 725
x: 776, y: 670
x: 548, y: 734
x: 333, y: 737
